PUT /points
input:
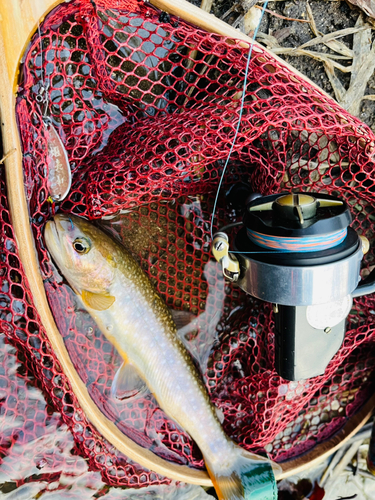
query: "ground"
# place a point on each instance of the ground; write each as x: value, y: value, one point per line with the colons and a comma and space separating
x: 330, y: 16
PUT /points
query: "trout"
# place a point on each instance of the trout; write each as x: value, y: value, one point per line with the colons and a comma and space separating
x: 134, y: 318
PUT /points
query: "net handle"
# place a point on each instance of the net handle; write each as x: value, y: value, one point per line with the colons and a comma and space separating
x: 19, y: 24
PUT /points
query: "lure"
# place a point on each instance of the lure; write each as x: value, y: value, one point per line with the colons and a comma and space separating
x: 59, y: 177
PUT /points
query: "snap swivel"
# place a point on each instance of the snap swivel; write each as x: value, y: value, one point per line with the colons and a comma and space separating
x: 229, y: 264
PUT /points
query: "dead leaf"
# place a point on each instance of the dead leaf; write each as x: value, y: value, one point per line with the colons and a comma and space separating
x: 332, y: 36
x: 367, y: 6
x: 361, y: 46
x: 362, y: 69
x: 206, y: 5
x: 319, y: 56
x: 337, y: 86
x: 269, y: 40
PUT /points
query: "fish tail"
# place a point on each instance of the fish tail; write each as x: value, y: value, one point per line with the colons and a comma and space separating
x: 250, y: 477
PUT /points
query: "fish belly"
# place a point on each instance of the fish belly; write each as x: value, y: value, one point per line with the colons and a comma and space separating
x: 163, y: 362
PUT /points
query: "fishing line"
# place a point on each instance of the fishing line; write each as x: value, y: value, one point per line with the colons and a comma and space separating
x: 41, y: 55
x: 59, y: 175
x: 239, y: 118
x: 40, y: 98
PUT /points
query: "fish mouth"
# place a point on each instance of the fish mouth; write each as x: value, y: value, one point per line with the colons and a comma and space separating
x: 57, y: 226
x: 51, y: 228
x: 52, y: 237
x: 64, y: 223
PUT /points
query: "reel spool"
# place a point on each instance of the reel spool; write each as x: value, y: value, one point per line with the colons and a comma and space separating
x: 298, y: 252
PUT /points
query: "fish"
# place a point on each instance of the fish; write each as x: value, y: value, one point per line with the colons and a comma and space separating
x: 134, y: 318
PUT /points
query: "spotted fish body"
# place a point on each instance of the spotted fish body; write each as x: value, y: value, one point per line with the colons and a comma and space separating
x: 133, y: 317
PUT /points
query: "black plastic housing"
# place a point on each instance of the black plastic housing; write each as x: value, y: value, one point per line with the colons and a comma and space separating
x: 302, y: 351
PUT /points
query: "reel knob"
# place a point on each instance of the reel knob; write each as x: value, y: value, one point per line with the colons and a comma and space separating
x: 229, y: 264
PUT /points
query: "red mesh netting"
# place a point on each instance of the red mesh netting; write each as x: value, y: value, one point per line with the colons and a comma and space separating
x: 147, y: 110
x: 35, y: 445
x: 20, y: 322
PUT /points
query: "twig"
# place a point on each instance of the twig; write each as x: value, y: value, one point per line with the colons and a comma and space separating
x: 229, y: 11
x: 268, y: 40
x: 250, y: 4
x: 310, y: 165
x: 370, y: 97
x: 280, y: 16
x: 366, y: 474
x: 7, y: 155
x: 357, y: 463
x: 337, y: 86
x: 357, y: 87
x: 335, y: 460
x: 313, y: 26
x: 263, y: 1
x: 315, y: 55
x: 361, y: 69
x: 238, y: 21
x: 206, y: 5
x: 365, y: 433
x: 202, y: 71
x: 348, y: 455
x: 332, y: 36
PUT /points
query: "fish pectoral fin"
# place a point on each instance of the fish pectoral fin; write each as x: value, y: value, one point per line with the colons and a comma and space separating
x: 127, y: 383
x: 220, y: 414
x: 187, y: 323
x: 184, y: 320
x: 97, y: 301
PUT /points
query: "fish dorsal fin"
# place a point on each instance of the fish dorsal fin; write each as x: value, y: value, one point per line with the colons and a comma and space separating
x: 97, y: 301
x: 127, y: 383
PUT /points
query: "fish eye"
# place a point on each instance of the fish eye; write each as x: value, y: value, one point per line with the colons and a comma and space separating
x: 81, y: 245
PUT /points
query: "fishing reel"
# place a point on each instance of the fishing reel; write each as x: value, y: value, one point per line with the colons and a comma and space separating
x: 297, y: 251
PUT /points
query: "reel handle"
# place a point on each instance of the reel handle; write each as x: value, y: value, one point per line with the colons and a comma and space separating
x: 366, y: 286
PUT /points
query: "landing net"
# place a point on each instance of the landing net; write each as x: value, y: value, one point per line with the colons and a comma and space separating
x: 147, y: 108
